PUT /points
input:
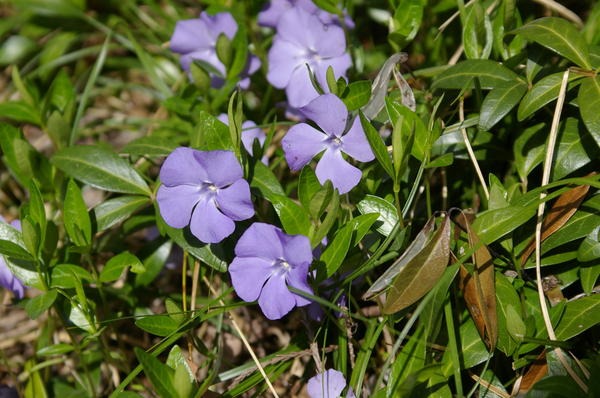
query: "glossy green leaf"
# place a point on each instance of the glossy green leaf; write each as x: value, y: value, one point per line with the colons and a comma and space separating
x: 308, y: 186
x: 388, y: 215
x: 491, y: 74
x: 572, y: 148
x: 336, y: 251
x: 19, y: 111
x: 265, y: 182
x: 11, y: 243
x: 357, y: 94
x: 65, y: 276
x: 153, y: 264
x: 115, y: 210
x: 37, y: 305
x: 160, y: 375
x: 542, y: 93
x: 411, y: 125
x: 529, y: 149
x: 558, y: 35
x: 377, y: 145
x: 210, y: 134
x: 150, y: 146
x: 498, y: 102
x: 160, y: 325
x: 100, y: 168
x: 494, y: 224
x: 55, y: 349
x: 477, y: 33
x: 589, y: 102
x: 293, y: 217
x: 210, y: 255
x: 589, y: 250
x: 75, y: 214
x: 579, y: 316
x: 114, y: 267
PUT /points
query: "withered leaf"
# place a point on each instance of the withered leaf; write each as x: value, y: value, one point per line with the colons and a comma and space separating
x: 565, y: 206
x: 479, y: 289
x: 385, y: 280
x: 537, y: 370
x: 420, y: 274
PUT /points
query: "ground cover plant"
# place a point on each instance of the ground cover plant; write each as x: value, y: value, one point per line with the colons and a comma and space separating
x: 299, y: 198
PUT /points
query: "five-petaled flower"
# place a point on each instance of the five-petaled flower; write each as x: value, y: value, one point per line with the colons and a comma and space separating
x: 302, y: 39
x: 303, y: 142
x: 267, y: 261
x: 205, y: 190
x: 7, y: 279
x: 273, y: 10
x: 329, y: 384
x: 197, y: 39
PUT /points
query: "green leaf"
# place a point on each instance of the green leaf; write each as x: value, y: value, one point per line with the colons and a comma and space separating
x: 357, y: 94
x: 209, y: 254
x: 114, y: 267
x: 240, y: 46
x: 514, y: 323
x: 150, y: 146
x: 376, y: 143
x: 473, y: 350
x: 529, y: 149
x: 55, y: 349
x: 100, y: 168
x: 176, y: 359
x: 542, y: 93
x: 11, y: 243
x: 571, y: 153
x: 175, y: 312
x: 441, y: 161
x: 265, y: 182
x: 113, y: 211
x: 76, y: 217
x: 588, y: 275
x: 388, y: 215
x: 320, y: 200
x: 477, y: 33
x: 491, y: 74
x: 19, y: 111
x: 336, y: 251
x: 498, y: 103
x: 589, y: 250
x: 559, y: 36
x: 153, y: 264
x: 224, y: 50
x: 211, y: 134
x: 36, y: 208
x: 62, y: 93
x: 160, y: 325
x: 589, y: 103
x: 293, y: 217
x: 66, y: 275
x: 159, y: 374
x: 308, y: 186
x: 579, y: 316
x: 37, y: 305
x: 411, y: 125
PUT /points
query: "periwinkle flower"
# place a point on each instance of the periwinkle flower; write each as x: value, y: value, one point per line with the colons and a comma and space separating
x: 303, y: 39
x: 197, y: 39
x: 303, y: 142
x: 274, y: 9
x: 204, y: 189
x: 267, y: 261
x: 249, y: 134
x: 7, y: 279
x: 329, y: 384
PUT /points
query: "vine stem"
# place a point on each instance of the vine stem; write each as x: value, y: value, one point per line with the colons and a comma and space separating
x: 244, y: 340
x: 538, y: 229
x: 461, y: 115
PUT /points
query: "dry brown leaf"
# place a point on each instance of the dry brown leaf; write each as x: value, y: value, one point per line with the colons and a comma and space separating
x: 537, y: 370
x: 479, y: 288
x: 562, y: 210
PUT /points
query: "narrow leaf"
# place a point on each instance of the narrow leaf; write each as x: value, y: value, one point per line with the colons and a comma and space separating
x: 376, y: 143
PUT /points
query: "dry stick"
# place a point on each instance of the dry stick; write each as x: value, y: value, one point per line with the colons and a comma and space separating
x: 538, y: 228
x: 193, y: 301
x: 461, y: 115
x: 490, y: 386
x: 562, y: 10
x: 244, y: 340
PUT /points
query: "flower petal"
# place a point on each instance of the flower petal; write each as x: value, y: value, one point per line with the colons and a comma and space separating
x: 208, y: 224
x: 275, y: 299
x: 190, y: 35
x: 301, y: 143
x: 339, y: 64
x: 342, y: 174
x: 248, y: 136
x: 329, y: 384
x: 284, y: 57
x: 329, y: 41
x: 176, y: 203
x: 272, y: 11
x: 329, y: 112
x: 219, y: 23
x: 222, y: 167
x: 234, y: 201
x: 297, y: 279
x: 260, y: 240
x: 248, y: 275
x: 296, y: 249
x: 207, y: 55
x: 9, y: 281
x: 300, y: 90
x: 355, y: 143
x: 182, y: 167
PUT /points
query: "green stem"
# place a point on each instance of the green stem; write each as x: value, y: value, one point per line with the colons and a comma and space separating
x: 453, y: 347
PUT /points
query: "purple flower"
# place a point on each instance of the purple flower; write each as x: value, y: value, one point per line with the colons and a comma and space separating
x: 197, y: 39
x: 7, y: 279
x: 205, y: 190
x: 329, y: 384
x: 303, y: 142
x: 274, y: 9
x: 249, y: 134
x: 303, y: 39
x: 267, y: 261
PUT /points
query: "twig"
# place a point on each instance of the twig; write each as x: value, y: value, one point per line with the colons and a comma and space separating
x: 244, y: 340
x: 562, y: 10
x: 490, y: 386
x: 538, y: 228
x: 461, y: 114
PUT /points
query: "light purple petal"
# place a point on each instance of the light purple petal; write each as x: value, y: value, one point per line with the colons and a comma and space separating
x: 234, y: 201
x: 252, y: 65
x: 350, y: 393
x: 271, y: 13
x: 182, y: 167
x: 305, y: 29
x: 275, y: 299
x: 209, y: 56
x: 9, y: 281
x: 208, y: 224
x: 296, y: 249
x: 301, y: 143
x: 248, y: 136
x: 297, y: 279
x: 355, y: 143
x: 16, y: 224
x: 300, y: 90
x: 222, y: 167
x: 330, y: 41
x: 339, y: 64
x: 342, y: 174
x: 176, y: 203
x: 190, y: 35
x: 284, y: 58
x: 329, y: 112
x: 260, y: 240
x: 219, y: 23
x: 326, y: 385
x: 248, y: 275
